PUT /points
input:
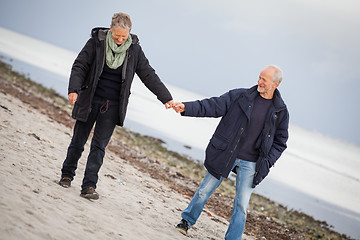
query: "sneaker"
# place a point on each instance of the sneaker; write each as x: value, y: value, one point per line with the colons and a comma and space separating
x: 65, y: 182
x: 183, y: 226
x: 89, y: 193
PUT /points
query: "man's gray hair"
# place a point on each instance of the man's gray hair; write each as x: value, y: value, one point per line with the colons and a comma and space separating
x: 278, y: 76
x: 121, y: 20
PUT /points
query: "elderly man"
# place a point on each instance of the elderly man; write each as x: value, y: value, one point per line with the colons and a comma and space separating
x: 250, y: 137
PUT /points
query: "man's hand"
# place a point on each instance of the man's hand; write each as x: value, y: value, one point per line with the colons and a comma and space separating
x: 179, y: 107
x: 169, y: 104
x: 72, y: 97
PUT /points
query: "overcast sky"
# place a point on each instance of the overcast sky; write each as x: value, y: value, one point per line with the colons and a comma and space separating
x: 210, y: 47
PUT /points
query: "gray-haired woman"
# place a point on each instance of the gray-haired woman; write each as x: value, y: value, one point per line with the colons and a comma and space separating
x: 99, y: 85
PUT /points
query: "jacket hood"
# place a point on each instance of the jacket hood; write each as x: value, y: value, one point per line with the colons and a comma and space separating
x: 100, y: 34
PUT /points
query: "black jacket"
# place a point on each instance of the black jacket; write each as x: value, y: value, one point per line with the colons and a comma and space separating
x: 235, y: 108
x: 88, y: 67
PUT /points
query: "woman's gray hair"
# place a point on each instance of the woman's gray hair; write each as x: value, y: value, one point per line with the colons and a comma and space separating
x: 121, y: 20
x: 278, y: 76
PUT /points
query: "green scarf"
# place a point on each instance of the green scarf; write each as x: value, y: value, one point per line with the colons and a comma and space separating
x: 115, y: 54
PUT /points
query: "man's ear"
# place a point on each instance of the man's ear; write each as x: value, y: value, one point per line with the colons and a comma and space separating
x: 276, y: 84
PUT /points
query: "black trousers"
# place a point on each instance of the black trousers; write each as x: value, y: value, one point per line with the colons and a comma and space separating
x: 105, y: 114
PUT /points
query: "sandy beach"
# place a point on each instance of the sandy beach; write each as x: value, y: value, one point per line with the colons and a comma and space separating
x: 132, y: 205
x: 143, y: 186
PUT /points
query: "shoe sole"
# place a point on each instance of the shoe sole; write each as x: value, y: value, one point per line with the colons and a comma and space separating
x: 64, y: 185
x: 90, y: 196
x: 182, y: 231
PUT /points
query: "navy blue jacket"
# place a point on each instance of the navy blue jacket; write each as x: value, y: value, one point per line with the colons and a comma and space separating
x: 235, y: 108
x: 88, y: 67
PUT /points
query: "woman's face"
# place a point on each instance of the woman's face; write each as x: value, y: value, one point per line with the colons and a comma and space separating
x: 119, y: 35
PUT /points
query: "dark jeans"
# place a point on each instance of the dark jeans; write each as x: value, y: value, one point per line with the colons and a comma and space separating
x: 104, y: 127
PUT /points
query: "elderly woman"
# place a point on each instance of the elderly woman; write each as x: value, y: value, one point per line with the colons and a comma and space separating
x: 99, y: 85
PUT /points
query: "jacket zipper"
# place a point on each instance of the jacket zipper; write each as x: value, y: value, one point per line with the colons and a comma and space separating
x: 124, y: 67
x: 237, y: 143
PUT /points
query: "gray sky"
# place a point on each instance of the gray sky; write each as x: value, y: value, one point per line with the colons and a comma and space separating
x: 211, y: 46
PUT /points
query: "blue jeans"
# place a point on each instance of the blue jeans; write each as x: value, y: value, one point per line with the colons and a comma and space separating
x: 244, y: 178
x: 106, y: 117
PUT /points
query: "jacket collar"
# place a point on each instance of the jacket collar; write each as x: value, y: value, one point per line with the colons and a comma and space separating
x: 252, y: 92
x: 278, y: 101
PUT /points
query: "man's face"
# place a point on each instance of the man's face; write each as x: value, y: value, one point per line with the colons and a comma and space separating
x: 266, y: 86
x: 119, y: 35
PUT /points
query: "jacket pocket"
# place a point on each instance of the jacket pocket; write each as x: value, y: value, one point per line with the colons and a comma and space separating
x: 215, y: 154
x: 262, y: 171
x: 218, y: 142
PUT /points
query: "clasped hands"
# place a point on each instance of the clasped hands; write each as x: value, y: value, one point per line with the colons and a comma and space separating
x: 177, y: 106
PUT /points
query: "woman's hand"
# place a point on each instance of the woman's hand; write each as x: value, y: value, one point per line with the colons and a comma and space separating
x: 169, y: 104
x: 72, y: 97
